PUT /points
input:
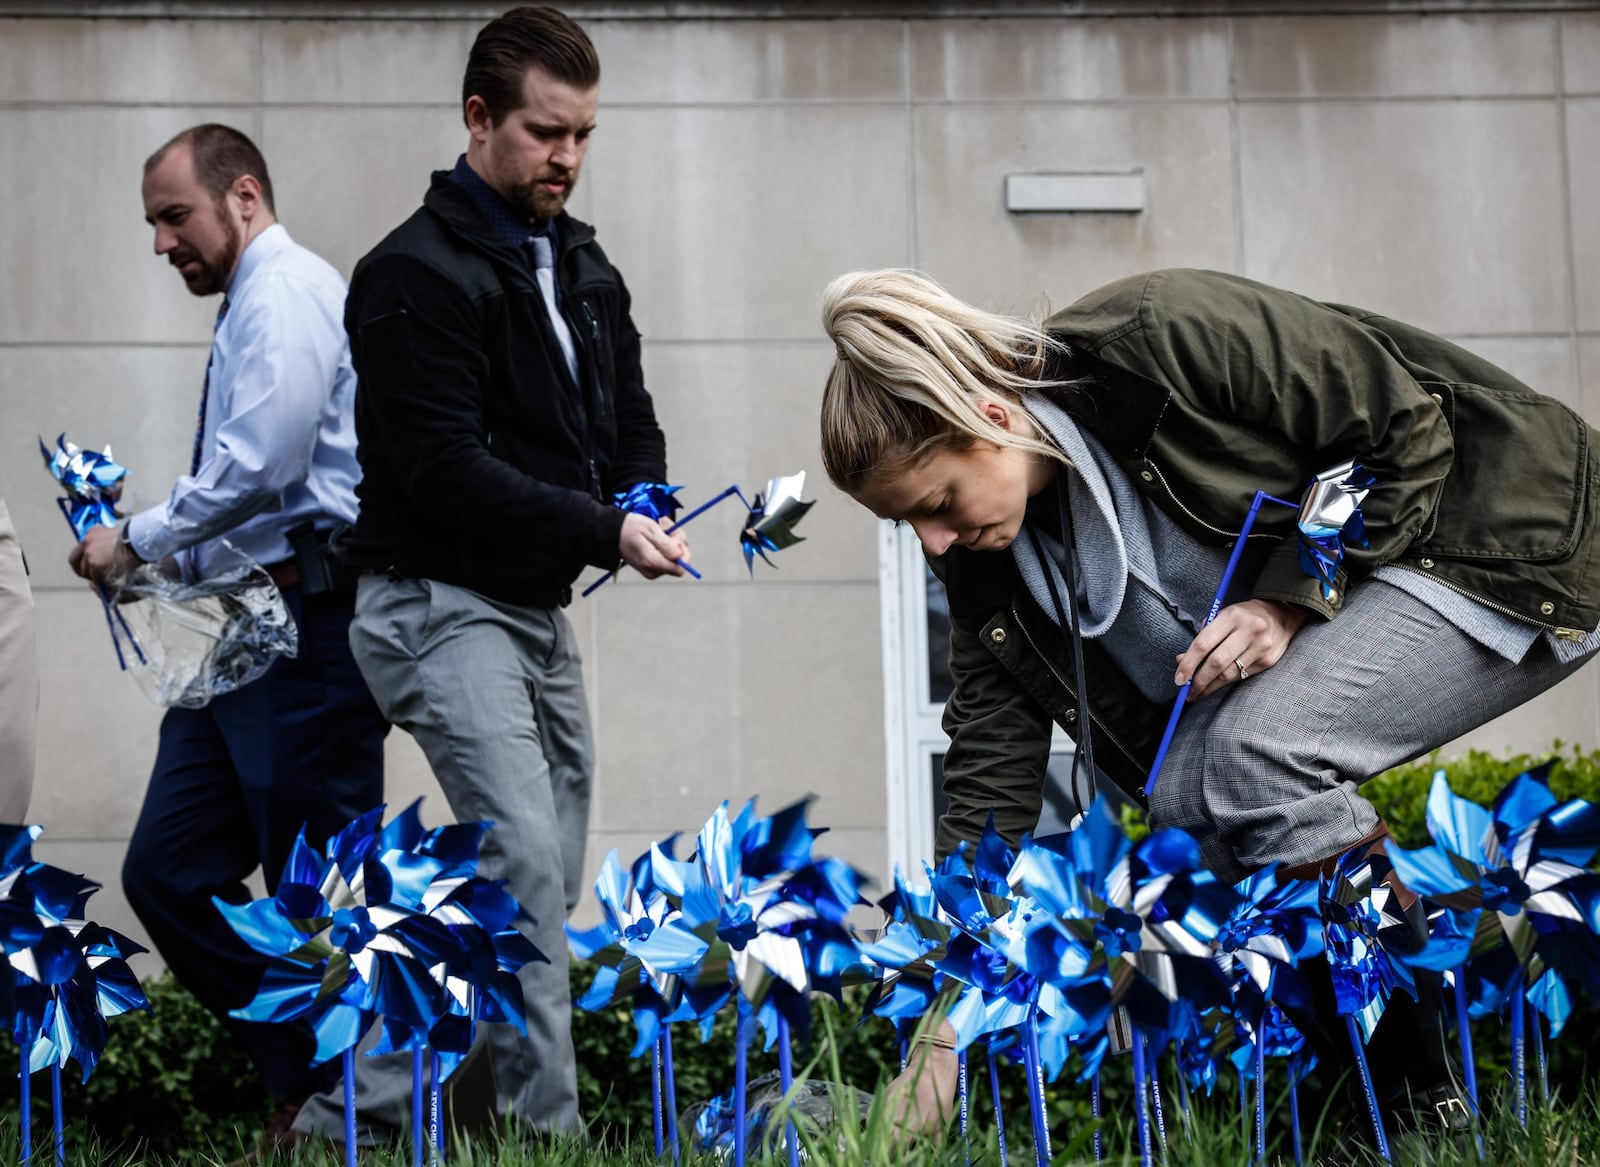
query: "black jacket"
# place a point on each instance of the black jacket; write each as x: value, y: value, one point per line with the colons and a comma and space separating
x: 483, y: 465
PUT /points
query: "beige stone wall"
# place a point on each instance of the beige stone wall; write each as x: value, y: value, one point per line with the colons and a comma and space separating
x: 1443, y: 168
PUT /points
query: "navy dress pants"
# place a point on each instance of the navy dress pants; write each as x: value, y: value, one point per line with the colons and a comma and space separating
x: 234, y: 783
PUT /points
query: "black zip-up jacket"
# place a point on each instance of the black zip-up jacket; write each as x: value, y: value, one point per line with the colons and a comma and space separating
x: 483, y: 465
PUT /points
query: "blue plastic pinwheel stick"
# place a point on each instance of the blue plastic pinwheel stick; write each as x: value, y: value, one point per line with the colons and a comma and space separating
x: 1216, y: 606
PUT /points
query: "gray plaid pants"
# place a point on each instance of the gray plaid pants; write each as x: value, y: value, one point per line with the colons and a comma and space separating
x: 1269, y: 769
x: 493, y: 693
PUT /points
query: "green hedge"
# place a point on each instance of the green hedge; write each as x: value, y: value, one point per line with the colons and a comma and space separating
x: 172, y: 1081
x: 1402, y: 793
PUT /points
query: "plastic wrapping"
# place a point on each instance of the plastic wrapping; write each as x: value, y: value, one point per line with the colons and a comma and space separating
x: 188, y: 641
x: 814, y: 1105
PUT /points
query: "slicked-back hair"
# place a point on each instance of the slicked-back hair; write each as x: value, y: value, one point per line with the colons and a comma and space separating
x: 519, y: 40
x: 221, y: 155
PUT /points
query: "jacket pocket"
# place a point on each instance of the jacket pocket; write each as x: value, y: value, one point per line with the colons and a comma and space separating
x: 1518, y: 479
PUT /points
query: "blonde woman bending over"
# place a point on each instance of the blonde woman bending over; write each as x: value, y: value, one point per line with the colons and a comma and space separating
x: 1078, y: 486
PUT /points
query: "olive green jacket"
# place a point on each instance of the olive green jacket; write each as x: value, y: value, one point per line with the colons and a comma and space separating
x: 1207, y: 387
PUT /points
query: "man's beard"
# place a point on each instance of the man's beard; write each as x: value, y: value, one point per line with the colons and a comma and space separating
x: 212, y: 275
x: 541, y: 205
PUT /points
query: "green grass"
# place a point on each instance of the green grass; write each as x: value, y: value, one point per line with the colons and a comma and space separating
x: 1213, y: 1134
x: 1562, y: 1134
x: 137, y: 1123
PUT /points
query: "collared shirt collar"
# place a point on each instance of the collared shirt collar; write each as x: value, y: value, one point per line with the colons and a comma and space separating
x: 508, y: 224
x: 271, y: 241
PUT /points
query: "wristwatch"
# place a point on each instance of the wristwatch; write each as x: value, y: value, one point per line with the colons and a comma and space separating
x: 126, y: 542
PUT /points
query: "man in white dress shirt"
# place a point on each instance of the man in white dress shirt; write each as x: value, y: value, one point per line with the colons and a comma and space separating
x: 273, y: 471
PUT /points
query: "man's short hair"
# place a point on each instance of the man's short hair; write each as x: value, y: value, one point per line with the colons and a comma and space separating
x: 524, y: 38
x: 221, y: 155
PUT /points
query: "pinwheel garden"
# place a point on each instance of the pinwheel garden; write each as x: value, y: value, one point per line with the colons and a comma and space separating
x: 1051, y: 955
x: 1103, y: 972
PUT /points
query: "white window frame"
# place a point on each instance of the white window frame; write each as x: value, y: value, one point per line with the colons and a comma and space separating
x: 912, y: 727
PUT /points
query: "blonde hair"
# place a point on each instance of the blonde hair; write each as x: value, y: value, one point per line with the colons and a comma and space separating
x: 915, y: 368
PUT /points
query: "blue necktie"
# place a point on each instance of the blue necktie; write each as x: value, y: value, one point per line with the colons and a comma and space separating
x: 205, y: 393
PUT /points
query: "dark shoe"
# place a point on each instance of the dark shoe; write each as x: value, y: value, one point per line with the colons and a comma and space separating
x: 1436, y: 1114
x: 1430, y: 1118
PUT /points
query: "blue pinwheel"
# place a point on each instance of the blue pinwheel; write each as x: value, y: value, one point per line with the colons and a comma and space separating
x: 988, y: 954
x: 905, y: 953
x: 1364, y: 926
x: 640, y: 945
x: 318, y: 929
x: 1274, y: 926
x: 1199, y: 1053
x: 1330, y: 518
x: 634, y: 951
x: 1517, y: 906
x: 462, y: 926
x: 988, y: 950
x: 769, y: 526
x: 771, y: 919
x: 1145, y: 919
x: 93, y: 484
x: 653, y: 500
x: 67, y: 975
x: 360, y: 934
x: 1519, y: 900
x: 478, y: 977
x: 392, y: 925
x: 1150, y: 910
x: 69, y: 990
x: 754, y: 896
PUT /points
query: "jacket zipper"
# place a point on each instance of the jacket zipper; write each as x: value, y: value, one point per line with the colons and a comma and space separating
x: 1560, y: 633
x: 594, y: 349
x: 596, y: 403
x: 1156, y: 470
x: 589, y: 403
x: 1109, y: 736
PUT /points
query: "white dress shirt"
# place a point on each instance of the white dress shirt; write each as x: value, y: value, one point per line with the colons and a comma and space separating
x: 279, y: 446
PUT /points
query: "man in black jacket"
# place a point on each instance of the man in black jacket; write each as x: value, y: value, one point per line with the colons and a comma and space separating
x: 500, y: 406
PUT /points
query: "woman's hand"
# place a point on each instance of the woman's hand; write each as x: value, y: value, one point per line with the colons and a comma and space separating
x: 1245, y: 639
x: 922, y: 1099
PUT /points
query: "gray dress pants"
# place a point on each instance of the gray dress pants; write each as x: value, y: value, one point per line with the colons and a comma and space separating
x: 1269, y: 769
x: 493, y: 693
x: 19, y: 678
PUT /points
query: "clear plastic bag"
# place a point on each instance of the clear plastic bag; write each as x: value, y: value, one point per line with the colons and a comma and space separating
x: 187, y: 641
